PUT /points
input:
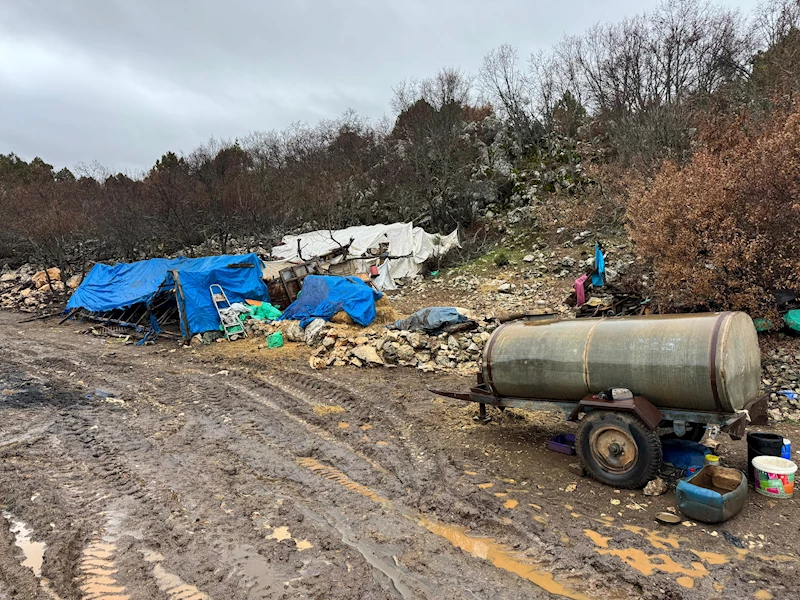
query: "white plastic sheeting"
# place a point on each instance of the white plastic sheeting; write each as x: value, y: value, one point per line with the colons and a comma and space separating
x: 384, y: 281
x: 409, y: 246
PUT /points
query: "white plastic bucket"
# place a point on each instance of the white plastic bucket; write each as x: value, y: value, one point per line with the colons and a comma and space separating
x: 774, y: 476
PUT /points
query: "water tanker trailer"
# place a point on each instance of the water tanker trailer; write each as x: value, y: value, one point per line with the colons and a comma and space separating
x: 627, y: 381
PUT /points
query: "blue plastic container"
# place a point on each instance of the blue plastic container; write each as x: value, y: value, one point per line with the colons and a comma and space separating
x: 563, y: 443
x: 713, y: 495
x: 786, y: 449
x: 684, y: 455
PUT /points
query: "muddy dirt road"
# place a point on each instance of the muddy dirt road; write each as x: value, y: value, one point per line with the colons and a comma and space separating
x: 179, y: 474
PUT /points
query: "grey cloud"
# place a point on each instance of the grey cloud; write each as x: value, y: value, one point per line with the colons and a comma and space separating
x: 123, y: 82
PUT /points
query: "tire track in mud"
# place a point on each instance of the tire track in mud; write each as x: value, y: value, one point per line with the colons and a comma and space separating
x: 187, y: 508
x: 112, y: 469
x: 491, y: 551
x: 237, y: 410
x: 229, y: 416
x: 309, y: 388
x: 484, y: 549
x: 107, y: 468
x: 172, y: 585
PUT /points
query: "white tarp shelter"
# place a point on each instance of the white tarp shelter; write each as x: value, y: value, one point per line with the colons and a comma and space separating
x: 409, y: 247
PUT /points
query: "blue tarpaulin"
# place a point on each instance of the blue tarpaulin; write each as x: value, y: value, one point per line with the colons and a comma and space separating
x: 598, y: 277
x: 323, y: 296
x: 122, y: 285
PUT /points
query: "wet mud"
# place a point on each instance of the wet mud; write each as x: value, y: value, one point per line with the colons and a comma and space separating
x: 167, y: 473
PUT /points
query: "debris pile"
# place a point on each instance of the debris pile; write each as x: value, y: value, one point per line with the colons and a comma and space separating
x: 339, y: 345
x: 459, y: 352
x: 28, y: 290
x: 781, y: 376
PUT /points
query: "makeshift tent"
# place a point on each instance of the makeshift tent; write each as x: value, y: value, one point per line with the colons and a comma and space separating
x: 324, y: 296
x: 407, y: 246
x: 112, y: 288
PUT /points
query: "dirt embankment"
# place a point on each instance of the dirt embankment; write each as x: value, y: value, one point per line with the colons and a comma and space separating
x: 162, y: 472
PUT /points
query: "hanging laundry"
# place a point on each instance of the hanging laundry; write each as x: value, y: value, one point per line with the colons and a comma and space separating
x: 580, y: 292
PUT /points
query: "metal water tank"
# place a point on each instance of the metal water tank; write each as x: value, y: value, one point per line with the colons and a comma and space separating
x: 703, y: 362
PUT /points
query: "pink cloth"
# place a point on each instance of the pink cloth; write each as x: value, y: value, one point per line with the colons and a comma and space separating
x: 580, y: 293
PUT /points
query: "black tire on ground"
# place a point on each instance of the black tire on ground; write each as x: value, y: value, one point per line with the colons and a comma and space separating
x: 617, y: 449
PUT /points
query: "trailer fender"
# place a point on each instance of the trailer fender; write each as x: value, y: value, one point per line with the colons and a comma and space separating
x: 647, y: 412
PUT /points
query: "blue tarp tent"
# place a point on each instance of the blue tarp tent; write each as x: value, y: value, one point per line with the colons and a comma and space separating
x: 323, y: 296
x: 120, y: 286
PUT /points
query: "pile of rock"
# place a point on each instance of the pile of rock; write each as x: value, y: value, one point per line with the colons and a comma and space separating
x: 29, y: 290
x: 781, y: 373
x: 338, y: 346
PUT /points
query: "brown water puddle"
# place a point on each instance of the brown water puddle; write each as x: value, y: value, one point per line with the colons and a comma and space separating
x: 600, y: 541
x: 323, y: 410
x: 484, y: 548
x: 33, y: 551
x: 282, y: 533
x: 647, y: 564
x: 497, y: 554
x: 97, y: 569
x: 169, y: 583
x: 657, y: 539
x: 712, y: 558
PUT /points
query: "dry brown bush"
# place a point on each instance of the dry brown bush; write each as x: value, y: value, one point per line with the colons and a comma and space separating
x: 723, y: 231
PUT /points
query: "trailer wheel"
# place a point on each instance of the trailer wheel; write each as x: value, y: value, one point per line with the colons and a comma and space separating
x: 618, y: 449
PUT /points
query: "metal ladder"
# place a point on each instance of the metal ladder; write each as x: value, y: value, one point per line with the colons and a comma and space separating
x: 231, y: 325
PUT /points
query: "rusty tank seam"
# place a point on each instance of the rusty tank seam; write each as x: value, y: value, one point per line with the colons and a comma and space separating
x: 487, y: 358
x: 712, y: 358
x: 586, y: 356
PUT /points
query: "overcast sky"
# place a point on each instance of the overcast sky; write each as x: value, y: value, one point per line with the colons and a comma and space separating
x: 123, y: 82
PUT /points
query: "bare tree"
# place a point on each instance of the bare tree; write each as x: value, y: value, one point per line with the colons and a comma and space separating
x: 509, y: 89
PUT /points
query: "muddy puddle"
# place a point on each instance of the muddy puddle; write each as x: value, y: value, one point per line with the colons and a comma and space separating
x: 98, y: 572
x: 172, y: 585
x: 489, y: 550
x: 32, y: 551
x: 479, y: 547
x: 282, y: 533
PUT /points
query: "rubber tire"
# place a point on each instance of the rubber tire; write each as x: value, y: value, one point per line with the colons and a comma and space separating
x: 647, y: 442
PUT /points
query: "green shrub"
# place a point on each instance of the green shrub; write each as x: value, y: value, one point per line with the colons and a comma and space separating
x: 501, y: 259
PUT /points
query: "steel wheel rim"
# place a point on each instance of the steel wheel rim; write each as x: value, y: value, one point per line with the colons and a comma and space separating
x: 614, y: 448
